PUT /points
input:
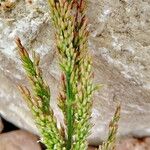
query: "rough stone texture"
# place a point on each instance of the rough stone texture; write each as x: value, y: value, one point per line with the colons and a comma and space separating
x: 92, y: 148
x: 130, y: 144
x: 18, y: 140
x: 120, y: 44
x: 134, y: 144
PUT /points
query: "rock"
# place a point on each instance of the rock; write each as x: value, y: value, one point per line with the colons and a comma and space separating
x: 92, y: 148
x: 134, y: 144
x: 131, y: 144
x: 120, y: 44
x: 1, y: 125
x: 7, y: 5
x: 18, y: 140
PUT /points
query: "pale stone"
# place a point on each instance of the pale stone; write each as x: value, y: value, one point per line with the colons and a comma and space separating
x: 92, y: 148
x: 19, y: 140
x: 130, y: 144
x: 120, y: 44
x: 134, y: 144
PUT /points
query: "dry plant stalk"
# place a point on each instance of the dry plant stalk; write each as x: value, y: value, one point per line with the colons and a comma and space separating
x: 110, y: 143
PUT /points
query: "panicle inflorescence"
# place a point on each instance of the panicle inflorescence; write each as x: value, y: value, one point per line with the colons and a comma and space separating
x: 39, y: 100
x: 110, y: 143
x: 70, y: 23
x: 75, y: 96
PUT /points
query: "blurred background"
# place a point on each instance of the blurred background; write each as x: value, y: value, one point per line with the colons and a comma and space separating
x: 120, y: 45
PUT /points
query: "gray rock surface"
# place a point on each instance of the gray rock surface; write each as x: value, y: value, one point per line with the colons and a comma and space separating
x: 120, y: 44
x: 19, y: 140
x: 134, y: 144
x: 131, y: 144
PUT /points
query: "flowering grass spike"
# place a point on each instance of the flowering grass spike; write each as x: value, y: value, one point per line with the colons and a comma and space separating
x: 110, y: 143
x: 75, y: 95
x: 38, y: 100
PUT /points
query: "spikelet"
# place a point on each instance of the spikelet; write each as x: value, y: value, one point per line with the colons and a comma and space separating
x: 39, y: 100
x: 75, y: 97
x: 110, y: 143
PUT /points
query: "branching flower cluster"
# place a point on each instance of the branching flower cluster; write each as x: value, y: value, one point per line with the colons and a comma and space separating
x: 70, y: 24
x: 110, y: 143
x: 38, y: 100
x: 75, y: 97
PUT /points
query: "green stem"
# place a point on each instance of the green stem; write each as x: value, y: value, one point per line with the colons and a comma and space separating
x: 69, y: 0
x: 69, y: 112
